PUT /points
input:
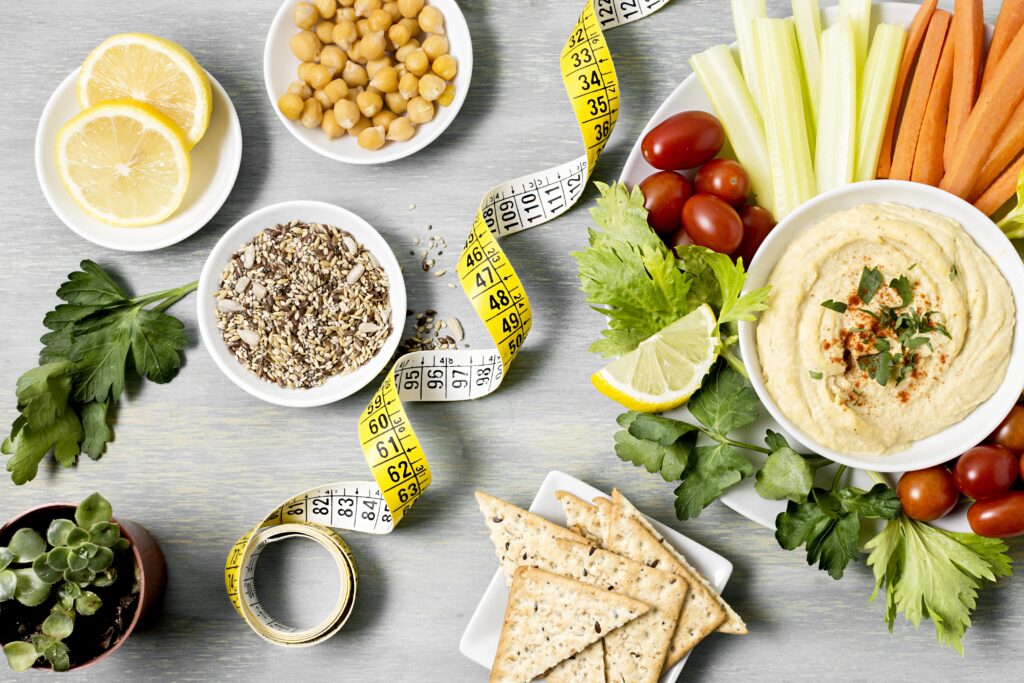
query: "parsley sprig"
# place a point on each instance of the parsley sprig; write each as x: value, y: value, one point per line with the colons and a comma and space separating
x: 97, y: 337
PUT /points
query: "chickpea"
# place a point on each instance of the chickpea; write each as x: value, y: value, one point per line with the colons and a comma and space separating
x: 305, y: 16
x: 409, y: 86
x: 420, y: 110
x: 290, y: 105
x: 332, y: 129
x: 444, y: 66
x: 301, y: 89
x: 431, y: 87
x: 379, y: 20
x: 375, y: 65
x: 372, y: 45
x: 400, y: 130
x: 403, y: 52
x: 306, y: 46
x: 336, y: 90
x: 435, y: 45
x: 321, y: 97
x: 303, y: 71
x: 399, y: 35
x: 354, y: 75
x: 344, y: 33
x: 431, y: 20
x: 383, y: 118
x: 396, y: 102
x: 319, y: 76
x: 391, y: 7
x: 327, y: 8
x: 363, y: 27
x: 334, y: 58
x: 346, y: 3
x: 312, y: 114
x: 348, y: 14
x: 417, y: 63
x: 364, y: 7
x: 371, y: 138
x: 354, y: 55
x: 360, y: 126
x: 347, y: 113
x: 324, y: 32
x: 369, y: 103
x: 385, y: 79
x: 448, y: 96
x: 410, y: 8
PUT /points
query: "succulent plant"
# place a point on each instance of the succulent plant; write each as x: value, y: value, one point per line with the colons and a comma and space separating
x: 74, y: 557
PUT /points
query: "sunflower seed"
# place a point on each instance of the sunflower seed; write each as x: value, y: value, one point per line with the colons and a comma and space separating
x: 354, y: 274
x: 249, y: 257
x: 229, y: 306
x: 456, y: 327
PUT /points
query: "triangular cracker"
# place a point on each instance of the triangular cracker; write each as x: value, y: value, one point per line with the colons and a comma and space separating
x: 582, y: 517
x: 510, y: 525
x: 584, y: 667
x: 637, y: 651
x: 733, y: 623
x: 550, y: 618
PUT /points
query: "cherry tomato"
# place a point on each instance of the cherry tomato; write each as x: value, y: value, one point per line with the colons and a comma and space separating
x: 679, y: 238
x: 1022, y: 467
x: 757, y: 223
x: 725, y: 179
x: 712, y: 223
x: 1000, y: 517
x: 684, y: 140
x: 1011, y: 432
x: 986, y: 471
x: 927, y: 494
x: 665, y: 193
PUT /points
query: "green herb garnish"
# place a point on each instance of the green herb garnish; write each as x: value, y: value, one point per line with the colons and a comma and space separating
x: 953, y: 272
x: 870, y: 281
x: 837, y: 306
x: 904, y: 289
x: 815, y: 374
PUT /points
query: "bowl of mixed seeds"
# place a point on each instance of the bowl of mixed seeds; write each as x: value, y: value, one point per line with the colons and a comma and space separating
x: 301, y: 303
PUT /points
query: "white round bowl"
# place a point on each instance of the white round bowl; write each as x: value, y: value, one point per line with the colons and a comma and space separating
x: 279, y: 65
x: 215, y: 162
x: 954, y: 440
x: 339, y: 386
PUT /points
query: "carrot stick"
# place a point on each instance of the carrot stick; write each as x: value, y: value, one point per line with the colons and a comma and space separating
x: 969, y: 34
x: 914, y: 37
x: 1011, y: 18
x: 928, y: 164
x: 917, y: 98
x: 1010, y: 143
x: 1002, y: 189
x: 987, y: 120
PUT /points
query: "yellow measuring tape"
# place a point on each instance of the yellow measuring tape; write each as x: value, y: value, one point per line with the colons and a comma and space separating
x: 392, y: 451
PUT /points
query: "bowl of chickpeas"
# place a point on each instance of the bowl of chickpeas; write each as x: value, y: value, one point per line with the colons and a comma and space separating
x: 368, y: 81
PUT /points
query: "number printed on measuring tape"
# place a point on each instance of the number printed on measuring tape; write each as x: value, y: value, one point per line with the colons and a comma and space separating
x: 390, y: 447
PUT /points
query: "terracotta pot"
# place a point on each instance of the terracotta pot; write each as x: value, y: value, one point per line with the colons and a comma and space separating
x: 148, y: 558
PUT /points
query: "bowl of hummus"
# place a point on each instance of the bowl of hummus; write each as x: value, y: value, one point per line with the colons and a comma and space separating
x: 894, y: 334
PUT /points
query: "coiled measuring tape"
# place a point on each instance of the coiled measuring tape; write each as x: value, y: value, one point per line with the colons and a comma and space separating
x: 392, y: 451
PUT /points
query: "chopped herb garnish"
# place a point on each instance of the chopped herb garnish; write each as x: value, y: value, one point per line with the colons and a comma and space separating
x: 914, y: 342
x: 912, y: 266
x: 882, y: 344
x: 903, y: 288
x: 870, y: 281
x: 878, y: 365
x: 837, y: 306
x: 815, y: 374
x: 854, y: 330
x: 953, y: 272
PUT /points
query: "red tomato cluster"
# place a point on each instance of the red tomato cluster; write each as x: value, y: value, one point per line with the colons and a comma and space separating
x: 711, y: 210
x: 990, y: 475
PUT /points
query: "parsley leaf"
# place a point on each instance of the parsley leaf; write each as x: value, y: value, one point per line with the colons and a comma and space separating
x: 785, y: 475
x: 904, y: 289
x: 927, y: 572
x: 646, y: 441
x: 837, y: 306
x: 716, y: 468
x: 815, y: 374
x: 725, y: 402
x: 870, y: 282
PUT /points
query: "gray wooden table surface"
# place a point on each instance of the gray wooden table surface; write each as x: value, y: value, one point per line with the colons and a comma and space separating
x: 198, y: 461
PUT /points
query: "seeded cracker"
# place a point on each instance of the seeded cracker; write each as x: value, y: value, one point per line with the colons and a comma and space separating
x: 585, y: 667
x: 550, y: 618
x: 582, y: 517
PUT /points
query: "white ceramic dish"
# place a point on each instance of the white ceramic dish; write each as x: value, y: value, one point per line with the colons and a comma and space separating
x: 279, y: 65
x: 480, y: 640
x: 954, y: 440
x: 215, y: 162
x: 688, y: 95
x: 339, y: 386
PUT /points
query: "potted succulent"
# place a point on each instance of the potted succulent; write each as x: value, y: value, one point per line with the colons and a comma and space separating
x: 74, y: 582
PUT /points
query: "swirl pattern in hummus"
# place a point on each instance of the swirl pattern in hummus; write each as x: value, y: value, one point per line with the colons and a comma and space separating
x: 809, y: 353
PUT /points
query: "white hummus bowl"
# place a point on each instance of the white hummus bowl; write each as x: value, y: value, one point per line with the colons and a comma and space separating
x: 954, y: 440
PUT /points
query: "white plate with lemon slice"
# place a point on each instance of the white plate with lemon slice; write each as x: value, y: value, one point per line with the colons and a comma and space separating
x: 211, y: 172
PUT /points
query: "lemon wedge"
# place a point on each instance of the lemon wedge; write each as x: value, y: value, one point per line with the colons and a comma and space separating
x: 151, y: 70
x: 666, y: 368
x: 124, y: 162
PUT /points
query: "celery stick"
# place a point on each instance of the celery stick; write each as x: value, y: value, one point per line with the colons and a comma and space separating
x: 785, y: 122
x: 743, y: 14
x: 837, y: 115
x: 877, y: 86
x: 859, y: 14
x: 807, y: 15
x: 722, y: 82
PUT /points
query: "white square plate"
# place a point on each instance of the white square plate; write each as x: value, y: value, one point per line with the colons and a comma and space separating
x: 480, y: 641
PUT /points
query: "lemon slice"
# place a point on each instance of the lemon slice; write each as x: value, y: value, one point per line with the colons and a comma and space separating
x: 666, y: 368
x: 124, y: 162
x: 151, y: 70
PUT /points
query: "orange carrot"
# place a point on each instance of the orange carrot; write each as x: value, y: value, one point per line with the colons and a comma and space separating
x: 928, y: 164
x: 988, y: 119
x: 1011, y: 19
x: 1010, y: 143
x: 969, y: 34
x: 1002, y: 190
x: 917, y: 98
x: 914, y: 37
